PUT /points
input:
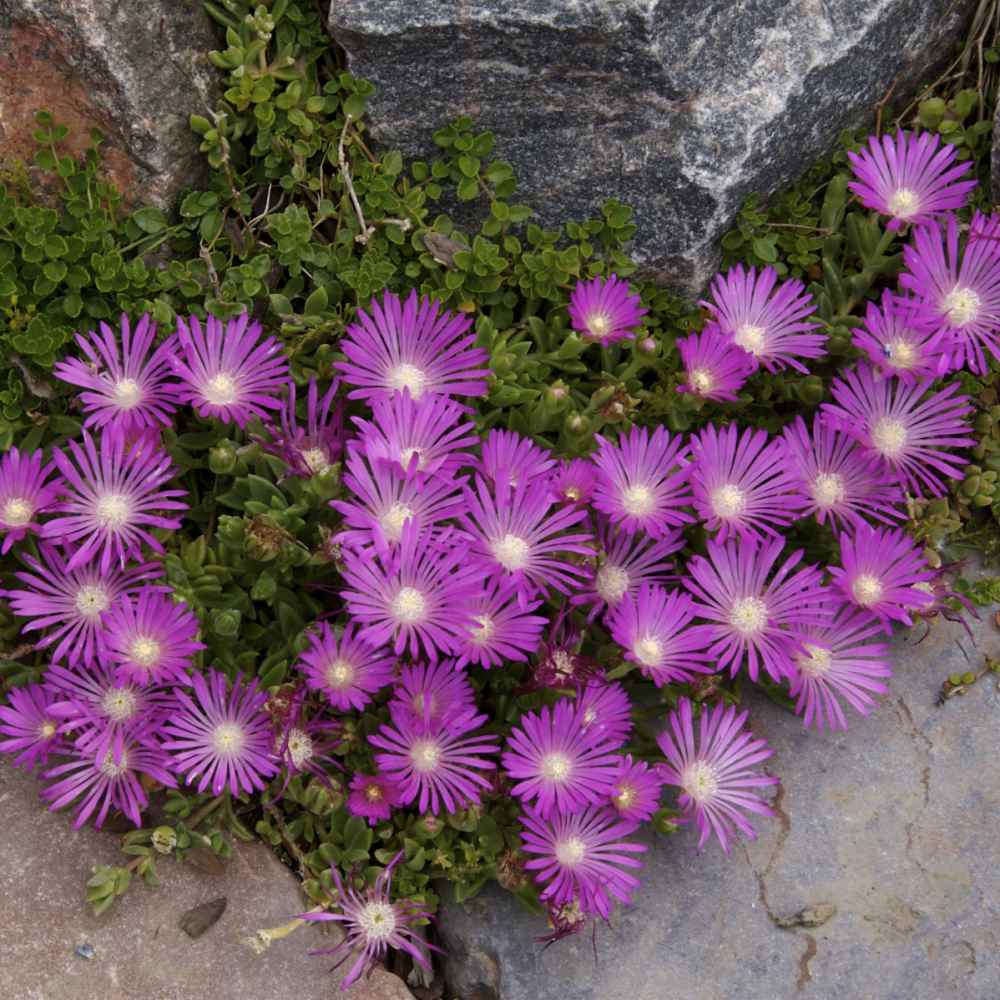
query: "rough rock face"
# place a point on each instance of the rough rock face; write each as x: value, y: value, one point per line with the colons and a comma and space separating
x: 677, y: 107
x: 135, y: 71
x: 877, y: 880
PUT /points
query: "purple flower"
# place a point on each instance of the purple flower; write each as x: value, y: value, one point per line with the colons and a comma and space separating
x: 112, y: 496
x: 766, y: 318
x: 837, y: 478
x: 222, y: 739
x: 904, y: 425
x: 432, y: 694
x: 228, y: 372
x: 839, y: 661
x: 716, y: 771
x: 31, y: 730
x: 654, y: 630
x: 714, y: 368
x: 412, y: 346
x: 642, y: 481
x: 604, y: 711
x: 373, y: 797
x: 575, y: 481
x: 306, y: 745
x: 603, y: 310
x: 310, y: 450
x: 910, y: 176
x: 501, y: 628
x: 743, y: 483
x: 24, y: 494
x: 347, y: 670
x: 128, y: 389
x: 750, y: 615
x: 636, y: 795
x: 509, y: 459
x: 903, y: 337
x: 582, y: 857
x: 557, y: 763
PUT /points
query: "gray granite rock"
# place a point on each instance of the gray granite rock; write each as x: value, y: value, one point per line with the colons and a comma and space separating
x: 885, y: 837
x: 135, y: 71
x: 678, y: 107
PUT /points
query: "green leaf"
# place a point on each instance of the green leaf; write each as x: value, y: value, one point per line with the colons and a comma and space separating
x: 150, y: 220
x: 316, y: 303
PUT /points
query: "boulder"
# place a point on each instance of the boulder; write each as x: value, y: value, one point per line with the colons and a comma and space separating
x: 680, y: 108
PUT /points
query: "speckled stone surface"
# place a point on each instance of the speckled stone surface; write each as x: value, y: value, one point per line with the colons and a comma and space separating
x: 894, y: 823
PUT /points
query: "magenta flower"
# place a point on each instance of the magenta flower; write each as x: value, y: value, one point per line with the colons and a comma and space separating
x: 412, y: 346
x: 112, y: 500
x: 222, y: 739
x: 432, y: 694
x: 715, y: 772
x: 642, y: 481
x: 837, y: 478
x: 557, y: 763
x: 27, y: 726
x: 501, y: 628
x: 654, y: 630
x: 903, y: 337
x: 839, y: 661
x: 436, y: 765
x: 416, y: 597
x: 518, y: 536
x: 714, y: 367
x: 743, y: 483
x: 904, y: 425
x: 961, y: 287
x: 766, y: 318
x: 750, y: 616
x: 909, y: 176
x: 373, y: 797
x: 306, y: 745
x: 71, y: 602
x: 582, y: 857
x: 509, y: 459
x: 24, y: 494
x: 575, y: 481
x: 882, y: 570
x: 128, y: 387
x: 636, y: 795
x: 603, y: 310
x: 310, y: 450
x: 604, y: 711
x: 228, y: 372
x: 152, y: 640
x: 346, y: 669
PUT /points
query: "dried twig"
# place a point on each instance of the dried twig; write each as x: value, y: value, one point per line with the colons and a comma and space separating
x: 366, y: 231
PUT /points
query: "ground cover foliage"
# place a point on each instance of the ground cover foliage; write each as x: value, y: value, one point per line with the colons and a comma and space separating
x: 303, y: 222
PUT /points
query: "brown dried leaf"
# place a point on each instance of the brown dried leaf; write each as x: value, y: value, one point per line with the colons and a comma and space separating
x: 811, y: 916
x: 199, y: 918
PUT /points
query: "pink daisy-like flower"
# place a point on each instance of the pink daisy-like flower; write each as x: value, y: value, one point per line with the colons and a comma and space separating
x: 27, y: 726
x: 557, y: 762
x: 715, y: 772
x: 72, y: 602
x: 743, y: 483
x: 24, y: 494
x: 221, y: 738
x: 903, y: 337
x: 373, y: 797
x: 750, y: 616
x: 604, y: 711
x: 508, y: 459
x: 654, y: 630
x: 128, y: 385
x: 881, y: 572
x: 502, y: 627
x: 417, y: 436
x: 306, y: 745
x: 582, y: 857
x: 437, y: 765
x: 518, y: 536
x: 714, y: 368
x: 310, y: 450
x: 432, y: 694
x: 228, y: 372
x: 346, y: 669
x: 636, y: 795
x: 412, y: 346
x: 911, y: 177
x: 152, y: 640
x: 766, y: 318
x: 837, y: 478
x: 416, y: 597
x: 575, y: 482
x: 642, y: 481
x: 112, y: 500
x: 906, y: 425
x: 605, y: 311
x: 962, y: 287
x: 839, y: 661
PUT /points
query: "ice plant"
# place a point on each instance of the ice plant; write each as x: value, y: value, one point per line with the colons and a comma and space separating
x: 501, y: 627
x: 114, y: 498
x: 903, y: 337
x: 636, y: 794
x: 715, y: 771
x: 508, y: 459
x: 373, y: 797
x: 603, y: 310
x: 909, y: 426
x: 604, y: 711
x: 345, y: 669
x: 910, y: 176
x: 26, y: 491
x: 312, y: 449
x: 714, y: 367
x: 228, y: 371
x: 574, y: 482
x: 430, y: 694
x: 412, y: 345
x: 128, y: 385
x: 27, y: 726
x: 766, y: 317
x: 221, y: 738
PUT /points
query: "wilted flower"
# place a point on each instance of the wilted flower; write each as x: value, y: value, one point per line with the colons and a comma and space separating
x: 603, y: 310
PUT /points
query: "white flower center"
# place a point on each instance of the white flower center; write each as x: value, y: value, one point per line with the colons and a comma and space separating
x: 700, y: 780
x: 889, y: 436
x: 961, y: 305
x: 612, y: 583
x: 377, y: 920
x: 410, y: 377
x: 638, y: 500
x: 118, y: 704
x: 867, y: 589
x: 145, y: 651
x: 599, y: 324
x: 828, y: 489
x: 625, y: 797
x: 112, y: 510
x: 409, y: 606
x: 556, y: 766
x: 512, y: 552
x: 300, y: 747
x: 47, y: 730
x: 702, y: 380
x: 902, y: 354
x: 728, y: 501
x: 425, y: 755
x: 563, y: 663
x: 17, y: 512
x: 221, y: 390
x: 748, y: 615
x: 91, y: 601
x: 339, y: 674
x: 648, y: 650
x: 814, y: 660
x: 392, y: 521
x: 484, y: 630
x: 904, y: 203
x: 570, y: 852
x: 315, y: 459
x: 127, y: 393
x: 750, y: 338
x: 228, y: 739
x: 406, y: 457
x: 112, y: 769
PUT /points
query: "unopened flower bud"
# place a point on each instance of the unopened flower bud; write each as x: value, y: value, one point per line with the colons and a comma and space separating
x: 222, y: 458
x: 164, y: 839
x: 647, y: 346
